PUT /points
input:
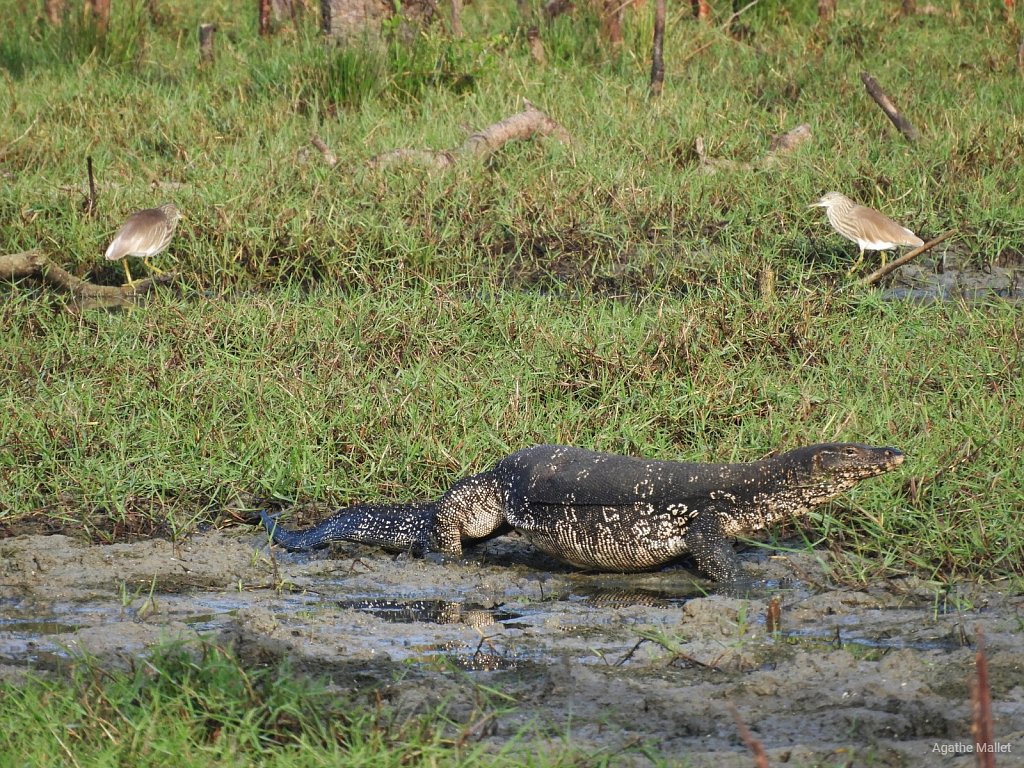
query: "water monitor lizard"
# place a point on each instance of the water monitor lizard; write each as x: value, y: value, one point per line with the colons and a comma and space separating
x: 607, y: 512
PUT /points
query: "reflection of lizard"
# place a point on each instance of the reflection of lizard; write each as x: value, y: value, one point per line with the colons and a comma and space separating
x: 608, y: 512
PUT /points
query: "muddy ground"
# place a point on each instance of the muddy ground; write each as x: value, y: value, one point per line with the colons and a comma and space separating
x: 614, y: 664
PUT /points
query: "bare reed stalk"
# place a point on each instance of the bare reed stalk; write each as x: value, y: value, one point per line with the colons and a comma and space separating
x: 657, y: 50
x: 981, y: 708
x: 206, y: 36
x: 264, y: 11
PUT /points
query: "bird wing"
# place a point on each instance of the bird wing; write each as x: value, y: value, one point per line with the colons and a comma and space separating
x: 880, y: 232
x: 140, y: 233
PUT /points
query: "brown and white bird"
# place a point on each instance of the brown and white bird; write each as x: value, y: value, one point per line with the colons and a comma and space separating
x: 868, y: 228
x: 146, y: 233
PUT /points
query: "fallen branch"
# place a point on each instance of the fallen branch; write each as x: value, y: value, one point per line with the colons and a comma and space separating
x: 895, y: 264
x: 482, y: 144
x: 779, y: 146
x: 36, y: 264
x: 882, y: 100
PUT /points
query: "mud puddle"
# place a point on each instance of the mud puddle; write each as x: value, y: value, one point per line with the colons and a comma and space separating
x: 948, y: 275
x: 615, y: 664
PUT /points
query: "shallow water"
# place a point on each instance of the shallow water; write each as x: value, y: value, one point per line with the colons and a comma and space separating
x: 614, y: 659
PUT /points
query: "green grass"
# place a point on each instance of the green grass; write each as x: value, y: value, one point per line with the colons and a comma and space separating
x: 203, y: 707
x: 156, y: 418
x: 350, y: 333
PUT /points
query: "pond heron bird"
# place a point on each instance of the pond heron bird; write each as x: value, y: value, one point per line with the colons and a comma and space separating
x: 146, y: 233
x: 868, y: 228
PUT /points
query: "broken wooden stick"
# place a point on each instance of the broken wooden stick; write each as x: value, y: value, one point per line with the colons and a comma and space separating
x: 895, y: 264
x: 482, y: 144
x: 882, y: 100
x: 36, y: 264
x: 329, y: 157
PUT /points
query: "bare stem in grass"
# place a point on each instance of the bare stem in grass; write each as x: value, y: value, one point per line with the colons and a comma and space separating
x: 895, y: 264
x: 89, y: 205
x: 264, y: 17
x: 885, y: 103
x: 657, y: 56
x: 536, y: 45
x: 457, y: 18
x: 206, y: 37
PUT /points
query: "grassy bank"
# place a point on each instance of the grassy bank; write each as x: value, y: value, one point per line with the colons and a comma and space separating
x: 203, y: 707
x: 154, y: 419
x: 352, y: 333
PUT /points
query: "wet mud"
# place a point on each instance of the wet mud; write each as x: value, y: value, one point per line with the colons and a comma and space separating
x: 950, y: 274
x: 611, y: 664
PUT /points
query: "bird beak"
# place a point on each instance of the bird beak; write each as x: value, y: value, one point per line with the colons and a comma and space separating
x: 818, y: 204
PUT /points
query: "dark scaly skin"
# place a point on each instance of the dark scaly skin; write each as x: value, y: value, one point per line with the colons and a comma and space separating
x: 613, y: 513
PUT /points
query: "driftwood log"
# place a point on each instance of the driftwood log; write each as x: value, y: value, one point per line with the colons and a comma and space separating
x: 36, y: 264
x: 529, y: 123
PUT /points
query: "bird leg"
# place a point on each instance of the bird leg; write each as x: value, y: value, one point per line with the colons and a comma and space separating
x: 152, y: 268
x: 857, y: 263
x: 127, y: 275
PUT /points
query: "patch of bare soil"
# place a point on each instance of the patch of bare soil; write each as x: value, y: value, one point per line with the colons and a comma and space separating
x: 613, y: 664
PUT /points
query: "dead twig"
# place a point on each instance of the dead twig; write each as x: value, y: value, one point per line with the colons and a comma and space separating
x: 523, y: 125
x: 968, y: 452
x: 4, y: 151
x: 89, y: 205
x: 754, y: 745
x: 885, y: 103
x: 895, y: 264
x: 736, y: 14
